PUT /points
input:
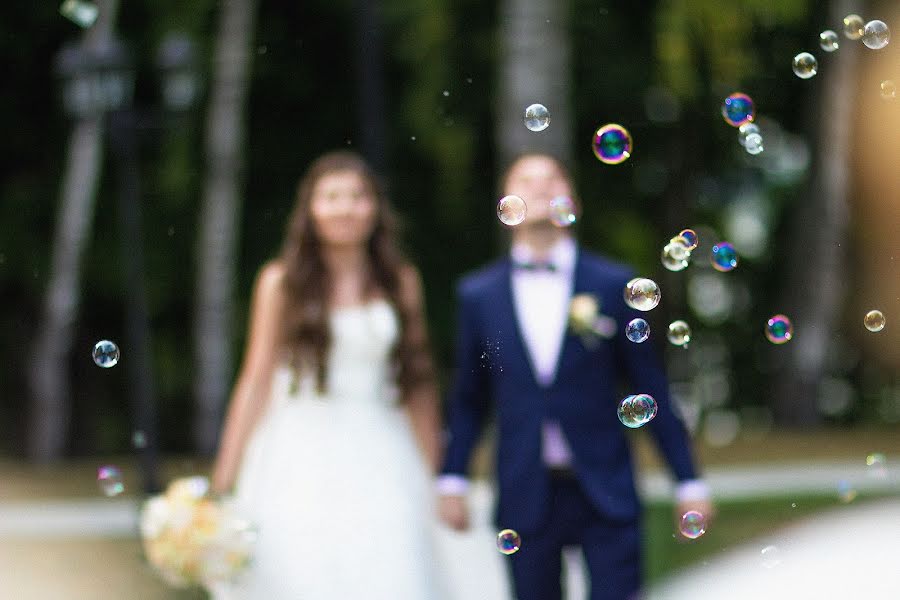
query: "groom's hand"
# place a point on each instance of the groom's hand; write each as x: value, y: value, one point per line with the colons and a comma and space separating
x: 454, y: 511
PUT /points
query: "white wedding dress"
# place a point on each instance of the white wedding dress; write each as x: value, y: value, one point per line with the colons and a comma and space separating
x: 336, y: 484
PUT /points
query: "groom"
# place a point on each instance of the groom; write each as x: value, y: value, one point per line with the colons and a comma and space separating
x: 563, y: 462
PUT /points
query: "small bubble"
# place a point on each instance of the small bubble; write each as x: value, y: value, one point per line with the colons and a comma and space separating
x: 637, y: 410
x: 854, y: 27
x: 876, y: 35
x: 563, y: 211
x: 637, y: 331
x: 105, y: 354
x: 874, y: 321
x: 84, y: 14
x: 829, y: 41
x: 109, y: 478
x: 738, y: 109
x: 642, y: 294
x: 679, y: 333
x: 537, y: 117
x: 508, y: 542
x: 511, y: 210
x: 262, y: 50
x: 753, y: 144
x: 770, y: 557
x: 612, y: 144
x: 139, y: 440
x: 724, y: 257
x: 779, y: 329
x: 412, y: 137
x: 446, y: 93
x: 693, y: 524
x: 805, y: 65
x: 468, y: 80
x: 888, y: 92
x: 793, y: 505
x: 170, y: 231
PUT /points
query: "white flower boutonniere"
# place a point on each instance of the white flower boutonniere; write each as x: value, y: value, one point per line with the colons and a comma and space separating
x: 586, y: 320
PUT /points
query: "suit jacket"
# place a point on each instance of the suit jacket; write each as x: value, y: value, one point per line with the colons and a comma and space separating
x: 494, y: 375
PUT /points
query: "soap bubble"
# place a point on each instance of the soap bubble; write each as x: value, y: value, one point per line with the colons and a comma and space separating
x: 675, y: 256
x: 854, y: 27
x: 876, y: 35
x: 511, y: 210
x: 874, y: 320
x: 537, y: 117
x: 876, y: 462
x: 738, y: 109
x: 828, y: 41
x: 643, y: 294
x: 508, y: 542
x: 770, y: 557
x: 84, y: 14
x: 637, y: 410
x: 139, y: 440
x: 693, y: 524
x: 679, y: 333
x: 745, y: 130
x: 691, y: 237
x: 637, y: 330
x: 109, y: 478
x: 805, y: 65
x: 779, y: 329
x: 846, y: 492
x: 562, y: 211
x: 888, y: 89
x: 724, y: 257
x: 754, y: 144
x: 612, y: 144
x: 106, y: 354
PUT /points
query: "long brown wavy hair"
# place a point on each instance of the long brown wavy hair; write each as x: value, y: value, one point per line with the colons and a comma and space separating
x: 308, y: 284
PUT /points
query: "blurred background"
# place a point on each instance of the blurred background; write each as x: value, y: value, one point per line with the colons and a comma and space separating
x: 151, y: 155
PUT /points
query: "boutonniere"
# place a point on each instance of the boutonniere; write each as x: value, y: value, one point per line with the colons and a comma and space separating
x: 586, y: 320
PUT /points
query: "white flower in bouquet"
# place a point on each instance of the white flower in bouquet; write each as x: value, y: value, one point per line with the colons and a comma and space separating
x: 191, y: 539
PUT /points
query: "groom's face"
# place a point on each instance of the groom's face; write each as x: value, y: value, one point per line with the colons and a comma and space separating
x: 537, y: 180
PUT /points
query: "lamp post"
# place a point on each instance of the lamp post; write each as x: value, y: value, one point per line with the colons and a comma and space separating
x: 101, y: 84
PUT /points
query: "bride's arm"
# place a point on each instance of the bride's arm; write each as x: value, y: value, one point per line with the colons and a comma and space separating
x: 421, y: 399
x: 252, y: 388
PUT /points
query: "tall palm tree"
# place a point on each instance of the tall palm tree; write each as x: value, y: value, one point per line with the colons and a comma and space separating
x: 48, y: 375
x: 220, y: 216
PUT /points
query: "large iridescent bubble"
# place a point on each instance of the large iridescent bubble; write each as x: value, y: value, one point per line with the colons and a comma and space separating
x: 738, y: 108
x: 724, y: 257
x: 612, y: 144
x: 779, y: 329
x: 511, y: 210
x: 637, y: 410
x: 693, y: 524
x: 876, y: 35
x: 643, y: 294
x: 508, y: 541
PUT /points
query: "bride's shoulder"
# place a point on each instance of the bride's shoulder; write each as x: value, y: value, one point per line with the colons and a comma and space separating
x: 270, y: 281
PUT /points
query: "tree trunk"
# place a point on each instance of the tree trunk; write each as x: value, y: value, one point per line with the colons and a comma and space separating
x: 534, y: 67
x: 817, y: 256
x: 48, y: 375
x: 219, y: 220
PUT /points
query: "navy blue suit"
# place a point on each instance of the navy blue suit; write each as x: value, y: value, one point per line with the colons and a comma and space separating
x: 599, y: 509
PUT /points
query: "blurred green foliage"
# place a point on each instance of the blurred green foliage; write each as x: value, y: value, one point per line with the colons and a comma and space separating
x: 441, y: 166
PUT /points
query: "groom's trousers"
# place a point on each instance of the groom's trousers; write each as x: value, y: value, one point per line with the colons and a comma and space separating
x: 611, y: 549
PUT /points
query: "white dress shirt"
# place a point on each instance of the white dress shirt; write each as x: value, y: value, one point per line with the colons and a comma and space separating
x: 541, y: 301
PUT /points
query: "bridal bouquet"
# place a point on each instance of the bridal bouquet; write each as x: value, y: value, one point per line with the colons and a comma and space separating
x: 191, y: 539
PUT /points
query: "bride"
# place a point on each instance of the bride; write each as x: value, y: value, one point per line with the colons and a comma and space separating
x: 333, y: 431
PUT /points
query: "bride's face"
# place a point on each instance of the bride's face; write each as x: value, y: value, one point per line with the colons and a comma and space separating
x: 343, y: 209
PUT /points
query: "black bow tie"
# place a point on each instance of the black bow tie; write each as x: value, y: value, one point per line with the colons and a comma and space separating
x: 536, y: 266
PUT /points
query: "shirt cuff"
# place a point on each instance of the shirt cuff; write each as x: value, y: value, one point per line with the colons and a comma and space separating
x: 452, y: 485
x: 691, y: 490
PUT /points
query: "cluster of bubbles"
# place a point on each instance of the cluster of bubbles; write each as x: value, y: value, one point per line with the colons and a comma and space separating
x: 692, y: 525
x: 779, y: 329
x: 642, y: 294
x: 508, y: 541
x: 637, y: 410
x: 875, y: 35
x: 676, y: 255
x: 612, y: 144
x: 83, y: 14
x: 109, y: 478
x: 637, y: 331
x: 679, y: 333
x: 511, y: 210
x: 105, y: 354
x: 739, y: 110
x: 724, y: 257
x: 537, y: 117
x: 874, y: 320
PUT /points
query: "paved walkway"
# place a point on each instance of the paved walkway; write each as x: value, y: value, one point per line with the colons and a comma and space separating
x: 51, y: 530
